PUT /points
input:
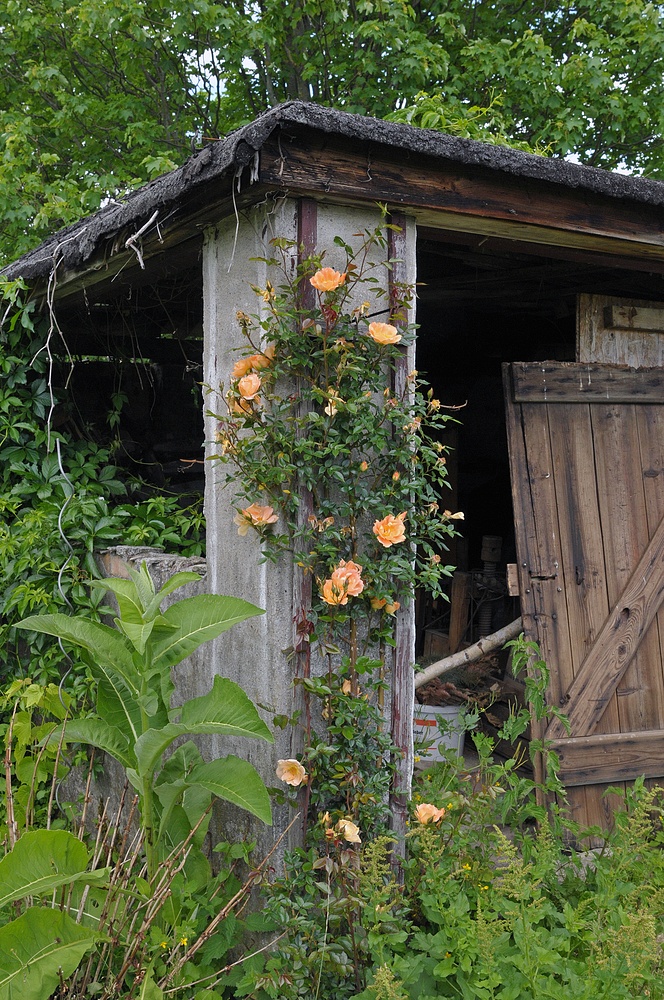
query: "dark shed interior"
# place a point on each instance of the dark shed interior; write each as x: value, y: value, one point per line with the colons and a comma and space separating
x: 481, y: 302
x: 131, y: 358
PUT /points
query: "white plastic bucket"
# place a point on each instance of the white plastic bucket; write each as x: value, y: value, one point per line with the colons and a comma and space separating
x: 426, y: 729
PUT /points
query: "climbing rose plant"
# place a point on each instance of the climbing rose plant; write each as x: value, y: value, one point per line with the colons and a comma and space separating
x: 333, y: 455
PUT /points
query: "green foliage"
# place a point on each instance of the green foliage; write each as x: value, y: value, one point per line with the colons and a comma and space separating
x: 35, y: 710
x: 70, y: 928
x: 351, y: 765
x: 492, y: 906
x: 449, y: 114
x: 99, y: 96
x: 135, y: 722
x: 59, y: 501
x: 37, y: 950
x: 42, y: 945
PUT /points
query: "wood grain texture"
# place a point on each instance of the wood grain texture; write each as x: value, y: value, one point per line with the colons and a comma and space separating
x: 573, y: 382
x: 305, y: 162
x: 625, y: 538
x: 620, y: 331
x: 617, y: 642
x: 583, y: 576
x: 650, y: 424
x: 525, y: 534
x: 611, y: 757
x: 403, y: 677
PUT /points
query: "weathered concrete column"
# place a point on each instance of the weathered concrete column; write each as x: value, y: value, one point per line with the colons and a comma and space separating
x: 252, y: 653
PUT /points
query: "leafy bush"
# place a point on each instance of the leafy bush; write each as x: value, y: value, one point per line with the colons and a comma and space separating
x: 492, y: 903
x: 142, y: 903
x: 60, y: 500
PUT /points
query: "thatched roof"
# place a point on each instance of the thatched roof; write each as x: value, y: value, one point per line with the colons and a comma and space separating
x: 220, y: 161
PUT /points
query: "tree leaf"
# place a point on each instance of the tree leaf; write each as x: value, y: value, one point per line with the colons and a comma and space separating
x: 127, y: 597
x: 36, y: 948
x: 144, y: 584
x: 150, y: 990
x: 42, y: 860
x: 173, y: 583
x: 117, y: 706
x: 105, y: 645
x: 197, y: 620
x: 225, y: 710
x: 137, y: 633
x: 236, y: 781
x: 97, y: 733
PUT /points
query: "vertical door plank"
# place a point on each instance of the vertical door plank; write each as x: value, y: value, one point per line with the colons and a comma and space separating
x: 583, y: 571
x: 545, y: 560
x: 625, y: 539
x: 650, y: 422
x: 537, y: 546
x: 582, y: 555
x: 583, y: 562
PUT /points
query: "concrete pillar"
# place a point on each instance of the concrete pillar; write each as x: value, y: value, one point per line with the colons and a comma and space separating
x: 252, y: 653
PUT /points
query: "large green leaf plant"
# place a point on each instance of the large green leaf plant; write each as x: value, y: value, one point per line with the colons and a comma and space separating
x: 135, y: 721
x: 43, y: 944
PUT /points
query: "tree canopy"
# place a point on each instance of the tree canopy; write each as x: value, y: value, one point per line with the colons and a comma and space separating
x: 98, y: 95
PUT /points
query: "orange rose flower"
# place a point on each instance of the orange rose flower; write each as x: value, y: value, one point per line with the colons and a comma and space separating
x: 347, y: 575
x: 390, y: 531
x: 254, y: 516
x: 426, y: 813
x: 349, y: 831
x: 345, y: 582
x: 241, y: 367
x: 240, y: 407
x: 291, y: 772
x: 334, y: 594
x: 327, y: 279
x: 254, y: 362
x: 384, y: 333
x: 249, y: 386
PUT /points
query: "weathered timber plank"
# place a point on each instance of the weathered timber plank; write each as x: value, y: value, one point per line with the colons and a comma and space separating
x: 626, y: 537
x: 500, y: 244
x: 650, y: 424
x: 619, y: 331
x: 583, y: 577
x: 546, y: 572
x: 626, y: 316
x: 573, y: 382
x: 537, y: 544
x: 617, y: 642
x: 403, y: 677
x: 311, y: 163
x: 459, y: 608
x: 524, y: 527
x: 611, y: 757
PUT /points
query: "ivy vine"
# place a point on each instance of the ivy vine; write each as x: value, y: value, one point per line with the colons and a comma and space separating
x: 60, y: 500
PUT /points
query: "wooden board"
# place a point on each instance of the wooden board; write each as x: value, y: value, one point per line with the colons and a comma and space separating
x: 620, y: 331
x: 571, y: 382
x: 588, y: 490
x: 301, y: 161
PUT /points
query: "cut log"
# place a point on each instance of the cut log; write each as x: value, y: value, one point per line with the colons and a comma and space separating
x: 469, y: 655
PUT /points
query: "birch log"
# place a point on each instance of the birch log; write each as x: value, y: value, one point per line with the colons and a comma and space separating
x: 469, y: 655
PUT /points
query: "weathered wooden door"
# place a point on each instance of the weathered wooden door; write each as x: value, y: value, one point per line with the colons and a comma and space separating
x: 586, y: 447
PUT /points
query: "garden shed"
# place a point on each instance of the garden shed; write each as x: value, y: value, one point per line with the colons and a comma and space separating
x: 540, y: 304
